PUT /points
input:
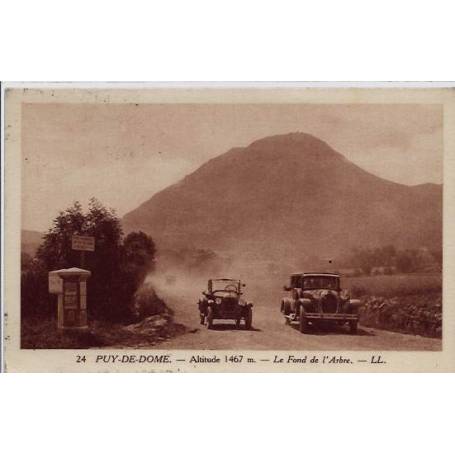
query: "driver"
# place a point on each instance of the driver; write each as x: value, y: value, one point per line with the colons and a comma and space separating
x: 310, y: 283
x: 231, y: 288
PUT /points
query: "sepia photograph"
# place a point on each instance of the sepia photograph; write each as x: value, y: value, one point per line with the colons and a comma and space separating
x: 250, y: 204
x: 228, y: 222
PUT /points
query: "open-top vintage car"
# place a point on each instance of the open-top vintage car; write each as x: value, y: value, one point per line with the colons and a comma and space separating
x: 316, y: 298
x: 223, y: 300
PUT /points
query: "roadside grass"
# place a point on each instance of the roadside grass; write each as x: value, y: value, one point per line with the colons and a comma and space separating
x: 406, y: 303
x: 419, y: 314
x: 40, y: 333
x: 393, y: 285
x: 151, y: 322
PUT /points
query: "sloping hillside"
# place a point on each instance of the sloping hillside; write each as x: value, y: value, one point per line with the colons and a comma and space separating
x: 286, y: 195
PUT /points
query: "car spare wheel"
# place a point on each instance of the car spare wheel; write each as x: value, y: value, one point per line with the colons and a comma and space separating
x: 209, y: 317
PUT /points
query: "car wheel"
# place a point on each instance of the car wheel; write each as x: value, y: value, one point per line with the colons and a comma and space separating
x: 303, y: 321
x: 202, y: 316
x: 353, y: 326
x: 209, y: 317
x: 285, y: 308
x: 237, y: 323
x: 249, y: 319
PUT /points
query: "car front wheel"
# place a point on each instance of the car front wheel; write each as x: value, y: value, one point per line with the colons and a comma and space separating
x: 303, y: 321
x: 209, y: 317
x: 249, y: 319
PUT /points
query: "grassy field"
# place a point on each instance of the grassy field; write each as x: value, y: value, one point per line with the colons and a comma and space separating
x: 407, y: 303
x: 393, y: 285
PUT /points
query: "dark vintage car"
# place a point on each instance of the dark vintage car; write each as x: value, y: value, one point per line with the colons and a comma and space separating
x: 317, y: 299
x: 223, y: 300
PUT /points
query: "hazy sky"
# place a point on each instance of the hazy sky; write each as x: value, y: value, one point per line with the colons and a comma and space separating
x: 124, y: 153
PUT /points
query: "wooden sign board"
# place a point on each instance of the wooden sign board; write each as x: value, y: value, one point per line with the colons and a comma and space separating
x: 83, y: 243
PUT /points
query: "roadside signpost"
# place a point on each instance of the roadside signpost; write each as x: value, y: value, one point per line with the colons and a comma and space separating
x: 83, y: 243
x: 70, y: 285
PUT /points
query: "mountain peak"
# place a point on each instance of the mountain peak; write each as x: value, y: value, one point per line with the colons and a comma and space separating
x: 295, y: 143
x: 292, y: 137
x: 288, y: 194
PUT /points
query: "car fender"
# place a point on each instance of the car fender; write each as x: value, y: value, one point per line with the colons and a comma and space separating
x: 286, y: 303
x: 355, y: 303
x: 352, y: 305
x: 305, y: 302
x: 202, y: 304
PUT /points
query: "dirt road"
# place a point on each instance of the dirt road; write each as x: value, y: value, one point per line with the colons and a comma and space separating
x: 270, y: 332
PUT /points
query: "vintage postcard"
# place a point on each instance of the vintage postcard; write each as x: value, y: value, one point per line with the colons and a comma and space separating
x: 254, y: 228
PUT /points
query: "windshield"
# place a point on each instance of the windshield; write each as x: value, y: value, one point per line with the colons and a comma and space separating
x: 320, y: 282
x: 225, y: 285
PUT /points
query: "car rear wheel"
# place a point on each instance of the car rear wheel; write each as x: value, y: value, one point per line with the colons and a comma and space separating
x: 249, y: 319
x: 209, y: 317
x: 303, y: 321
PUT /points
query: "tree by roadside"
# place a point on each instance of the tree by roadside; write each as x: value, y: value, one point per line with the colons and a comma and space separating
x: 118, y: 267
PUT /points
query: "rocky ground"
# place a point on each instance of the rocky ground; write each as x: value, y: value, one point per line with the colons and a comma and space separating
x: 43, y: 334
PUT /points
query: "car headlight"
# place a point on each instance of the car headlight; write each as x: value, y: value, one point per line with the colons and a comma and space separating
x: 218, y: 300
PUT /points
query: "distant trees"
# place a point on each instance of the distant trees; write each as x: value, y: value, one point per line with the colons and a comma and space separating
x: 139, y: 250
x: 138, y: 260
x: 388, y: 260
x: 118, y: 267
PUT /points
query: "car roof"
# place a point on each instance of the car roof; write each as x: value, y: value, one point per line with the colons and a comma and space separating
x: 316, y: 274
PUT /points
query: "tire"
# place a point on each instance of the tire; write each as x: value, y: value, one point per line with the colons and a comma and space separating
x: 353, y: 326
x: 303, y: 321
x: 285, y: 308
x: 237, y: 323
x: 202, y: 316
x: 249, y: 319
x: 209, y: 317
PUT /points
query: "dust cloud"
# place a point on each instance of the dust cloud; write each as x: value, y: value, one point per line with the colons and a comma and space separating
x: 181, y: 287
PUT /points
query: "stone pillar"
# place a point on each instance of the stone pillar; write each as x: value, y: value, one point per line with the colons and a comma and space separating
x: 71, y: 287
